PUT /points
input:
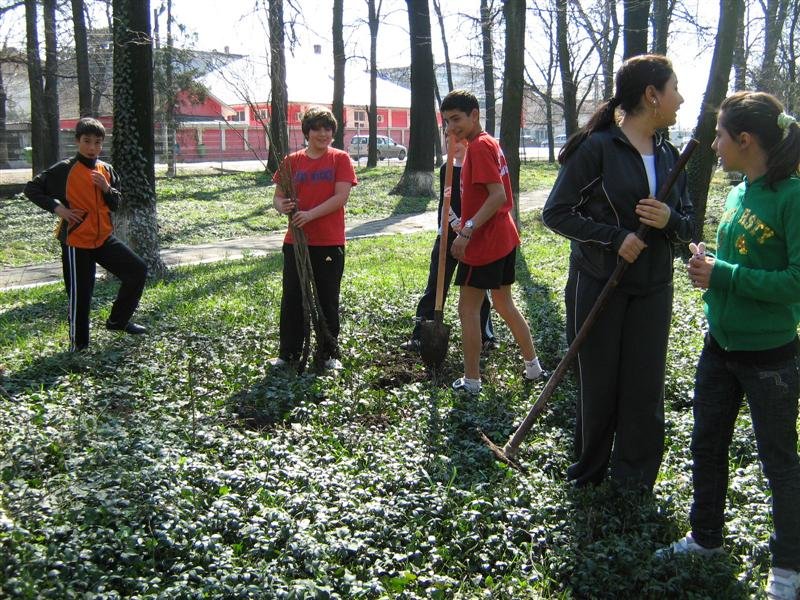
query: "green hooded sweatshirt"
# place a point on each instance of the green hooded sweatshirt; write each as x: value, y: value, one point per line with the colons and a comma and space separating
x: 753, y: 300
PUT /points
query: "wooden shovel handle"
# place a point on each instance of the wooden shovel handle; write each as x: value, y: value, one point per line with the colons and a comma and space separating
x: 444, y: 225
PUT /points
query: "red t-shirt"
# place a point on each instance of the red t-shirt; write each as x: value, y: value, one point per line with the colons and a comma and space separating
x: 497, y: 237
x: 315, y: 182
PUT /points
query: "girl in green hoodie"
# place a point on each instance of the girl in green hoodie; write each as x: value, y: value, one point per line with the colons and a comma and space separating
x: 752, y: 303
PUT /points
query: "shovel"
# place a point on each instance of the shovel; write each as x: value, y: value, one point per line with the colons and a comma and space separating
x: 434, y: 335
x: 508, y: 453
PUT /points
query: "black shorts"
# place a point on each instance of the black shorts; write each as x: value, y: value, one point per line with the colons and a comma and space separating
x: 488, y: 277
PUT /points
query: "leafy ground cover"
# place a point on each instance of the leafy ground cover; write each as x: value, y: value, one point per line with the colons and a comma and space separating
x: 204, y: 209
x: 179, y: 465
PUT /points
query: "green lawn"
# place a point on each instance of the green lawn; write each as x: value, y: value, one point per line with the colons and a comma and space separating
x: 178, y: 465
x: 204, y: 209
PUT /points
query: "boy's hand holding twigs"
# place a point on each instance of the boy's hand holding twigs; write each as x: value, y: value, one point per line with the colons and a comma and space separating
x: 283, y: 205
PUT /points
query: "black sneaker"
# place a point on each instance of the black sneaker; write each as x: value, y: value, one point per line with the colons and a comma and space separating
x: 412, y: 345
x: 129, y: 327
x: 490, y: 344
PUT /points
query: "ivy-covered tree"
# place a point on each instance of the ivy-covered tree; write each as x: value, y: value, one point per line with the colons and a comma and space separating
x: 133, y: 148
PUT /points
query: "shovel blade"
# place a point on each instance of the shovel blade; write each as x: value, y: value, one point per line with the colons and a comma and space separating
x: 434, y: 337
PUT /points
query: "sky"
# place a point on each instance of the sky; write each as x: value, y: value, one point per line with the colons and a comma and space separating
x: 234, y: 24
x: 237, y: 24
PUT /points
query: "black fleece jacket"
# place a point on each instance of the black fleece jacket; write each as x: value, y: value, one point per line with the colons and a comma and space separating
x: 593, y: 203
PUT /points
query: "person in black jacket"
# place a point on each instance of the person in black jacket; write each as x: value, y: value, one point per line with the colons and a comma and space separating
x: 83, y: 191
x: 426, y: 304
x: 605, y: 189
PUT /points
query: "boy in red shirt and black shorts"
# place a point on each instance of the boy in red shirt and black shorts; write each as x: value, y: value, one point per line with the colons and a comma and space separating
x: 486, y: 245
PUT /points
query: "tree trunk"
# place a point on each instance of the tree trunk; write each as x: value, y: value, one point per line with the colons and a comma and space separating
x: 635, y: 27
x: 171, y: 97
x: 372, y: 112
x: 4, y: 164
x: 437, y: 7
x: 569, y: 89
x: 52, y: 152
x: 133, y: 146
x: 740, y: 60
x: 604, y: 41
x: 82, y: 59
x: 662, y: 15
x: 39, y: 136
x: 513, y: 89
x: 488, y: 65
x: 703, y: 161
x: 417, y: 178
x: 773, y: 28
x: 279, y: 103
x: 339, y: 62
x: 792, y: 60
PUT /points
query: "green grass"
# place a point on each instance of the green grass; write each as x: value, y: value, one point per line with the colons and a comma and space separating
x: 178, y: 465
x: 206, y: 209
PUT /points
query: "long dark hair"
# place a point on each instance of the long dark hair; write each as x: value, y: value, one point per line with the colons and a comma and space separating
x: 630, y: 83
x: 757, y: 114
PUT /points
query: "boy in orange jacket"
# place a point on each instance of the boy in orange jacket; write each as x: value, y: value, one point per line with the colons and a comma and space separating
x: 82, y: 190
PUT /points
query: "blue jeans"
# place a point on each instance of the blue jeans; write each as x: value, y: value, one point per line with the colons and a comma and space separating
x: 772, y: 393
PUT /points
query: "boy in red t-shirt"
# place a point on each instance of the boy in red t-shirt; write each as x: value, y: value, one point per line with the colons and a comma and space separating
x: 487, y: 241
x: 322, y: 177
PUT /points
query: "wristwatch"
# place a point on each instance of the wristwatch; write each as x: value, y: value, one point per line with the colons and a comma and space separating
x: 469, y: 224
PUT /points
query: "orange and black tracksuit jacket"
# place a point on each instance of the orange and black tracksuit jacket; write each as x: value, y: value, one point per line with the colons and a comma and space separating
x: 69, y: 182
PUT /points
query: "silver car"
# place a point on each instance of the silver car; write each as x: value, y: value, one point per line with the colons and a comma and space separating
x: 387, y: 147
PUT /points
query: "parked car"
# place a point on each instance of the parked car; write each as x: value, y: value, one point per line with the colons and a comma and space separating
x: 387, y: 147
x: 558, y: 141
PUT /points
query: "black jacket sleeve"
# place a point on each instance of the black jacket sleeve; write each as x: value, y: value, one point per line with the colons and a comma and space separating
x: 43, y: 189
x: 577, y: 181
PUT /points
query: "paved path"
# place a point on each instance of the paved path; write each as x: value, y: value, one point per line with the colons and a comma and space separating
x: 41, y: 274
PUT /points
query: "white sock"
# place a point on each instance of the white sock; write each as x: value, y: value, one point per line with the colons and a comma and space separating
x: 532, y: 368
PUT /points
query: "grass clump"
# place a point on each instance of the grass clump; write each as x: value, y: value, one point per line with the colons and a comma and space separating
x: 180, y: 465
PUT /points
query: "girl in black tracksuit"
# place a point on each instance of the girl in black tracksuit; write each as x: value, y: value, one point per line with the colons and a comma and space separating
x: 606, y: 187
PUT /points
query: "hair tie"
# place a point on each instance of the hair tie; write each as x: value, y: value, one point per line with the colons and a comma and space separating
x: 784, y: 122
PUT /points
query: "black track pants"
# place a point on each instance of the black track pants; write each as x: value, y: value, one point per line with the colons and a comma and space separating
x: 620, y: 369
x: 79, y: 267
x: 327, y: 263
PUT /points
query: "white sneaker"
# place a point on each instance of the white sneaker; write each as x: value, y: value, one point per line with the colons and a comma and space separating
x: 687, y: 545
x: 782, y: 584
x: 467, y: 386
x: 333, y: 364
x: 277, y: 362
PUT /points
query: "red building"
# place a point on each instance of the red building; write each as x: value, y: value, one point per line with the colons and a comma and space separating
x: 230, y: 123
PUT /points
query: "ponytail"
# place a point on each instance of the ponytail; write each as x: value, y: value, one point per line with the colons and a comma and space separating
x: 602, y: 118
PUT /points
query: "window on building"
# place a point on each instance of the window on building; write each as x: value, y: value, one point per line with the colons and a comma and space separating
x: 359, y: 118
x: 239, y: 116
